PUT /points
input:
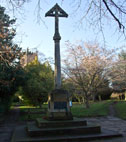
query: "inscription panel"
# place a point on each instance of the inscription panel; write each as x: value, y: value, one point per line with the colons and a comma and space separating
x: 60, y: 105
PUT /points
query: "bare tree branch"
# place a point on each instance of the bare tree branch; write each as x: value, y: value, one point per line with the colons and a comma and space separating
x: 110, y: 11
x: 119, y: 8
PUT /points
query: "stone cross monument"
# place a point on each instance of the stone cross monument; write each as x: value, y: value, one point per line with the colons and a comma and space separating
x: 57, y: 12
x: 58, y: 99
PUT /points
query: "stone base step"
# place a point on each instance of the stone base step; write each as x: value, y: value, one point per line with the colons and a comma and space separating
x: 21, y: 136
x: 34, y: 131
x: 54, y: 124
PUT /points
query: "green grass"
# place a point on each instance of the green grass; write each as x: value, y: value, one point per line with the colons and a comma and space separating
x: 121, y: 109
x: 78, y: 110
x: 31, y: 112
x: 96, y: 109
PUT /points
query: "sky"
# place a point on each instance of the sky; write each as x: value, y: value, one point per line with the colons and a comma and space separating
x: 39, y: 35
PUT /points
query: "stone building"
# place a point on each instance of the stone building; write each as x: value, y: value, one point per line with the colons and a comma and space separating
x: 29, y: 58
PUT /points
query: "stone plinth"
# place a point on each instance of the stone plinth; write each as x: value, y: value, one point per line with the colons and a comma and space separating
x: 58, y: 124
x: 75, y: 130
x: 58, y: 105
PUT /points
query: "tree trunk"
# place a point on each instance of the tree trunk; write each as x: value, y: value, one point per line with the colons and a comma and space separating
x: 99, y: 98
x: 94, y: 98
x: 83, y: 99
x: 78, y: 98
x: 86, y: 102
x: 40, y: 105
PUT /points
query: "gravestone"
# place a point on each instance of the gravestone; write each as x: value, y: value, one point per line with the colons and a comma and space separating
x: 58, y: 100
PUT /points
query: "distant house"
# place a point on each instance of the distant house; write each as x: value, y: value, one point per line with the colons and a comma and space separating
x: 28, y: 58
x: 119, y: 95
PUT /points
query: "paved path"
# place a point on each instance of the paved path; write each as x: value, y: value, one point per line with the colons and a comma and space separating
x: 112, y: 110
x: 9, y: 124
x: 109, y: 122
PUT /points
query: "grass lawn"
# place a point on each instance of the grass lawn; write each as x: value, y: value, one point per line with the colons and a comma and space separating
x: 96, y: 109
x: 31, y: 113
x: 78, y: 110
x: 121, y: 109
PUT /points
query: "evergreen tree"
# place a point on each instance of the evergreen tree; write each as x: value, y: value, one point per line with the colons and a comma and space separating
x: 118, y: 75
x: 40, y: 82
x: 10, y: 69
x: 9, y: 52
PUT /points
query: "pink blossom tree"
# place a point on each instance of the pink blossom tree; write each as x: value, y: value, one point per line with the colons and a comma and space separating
x: 87, y: 67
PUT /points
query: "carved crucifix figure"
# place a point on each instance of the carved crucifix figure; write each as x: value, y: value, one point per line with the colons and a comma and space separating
x: 57, y: 12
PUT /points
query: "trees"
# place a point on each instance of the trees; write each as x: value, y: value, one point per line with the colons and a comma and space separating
x: 98, y: 11
x: 87, y: 67
x: 95, y: 12
x: 10, y: 70
x: 39, y: 83
x: 104, y: 91
x: 9, y: 52
x: 118, y: 75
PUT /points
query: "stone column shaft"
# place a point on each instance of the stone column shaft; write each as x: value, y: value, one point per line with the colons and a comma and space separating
x: 57, y: 39
x: 57, y: 66
x: 57, y: 12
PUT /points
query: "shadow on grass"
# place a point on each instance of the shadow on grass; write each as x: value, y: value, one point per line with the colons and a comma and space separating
x: 120, y: 107
x: 96, y: 109
x: 28, y: 113
x: 78, y: 110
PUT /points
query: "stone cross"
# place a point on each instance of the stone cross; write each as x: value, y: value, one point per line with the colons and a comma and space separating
x: 57, y: 12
